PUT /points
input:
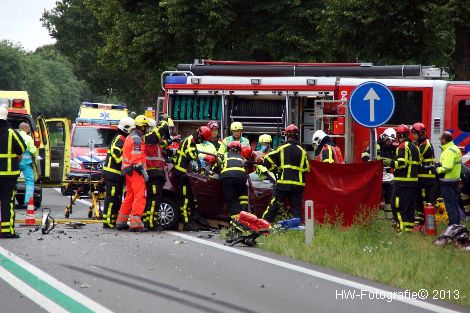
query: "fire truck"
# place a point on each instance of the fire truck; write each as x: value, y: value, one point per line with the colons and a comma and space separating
x: 268, y: 96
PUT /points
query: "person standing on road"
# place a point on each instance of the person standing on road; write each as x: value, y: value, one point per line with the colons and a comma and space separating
x: 427, y: 185
x: 292, y: 164
x: 112, y: 173
x: 184, y: 155
x: 326, y: 150
x: 154, y: 139
x: 448, y: 169
x: 133, y: 168
x: 233, y: 179
x: 12, y: 147
x: 405, y: 181
x: 26, y: 164
x: 236, y: 128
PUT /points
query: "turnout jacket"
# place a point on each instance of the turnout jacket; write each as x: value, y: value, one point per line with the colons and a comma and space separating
x: 291, y: 161
x: 155, y: 162
x: 11, y: 146
x: 406, y: 163
x: 426, y: 159
x: 233, y: 166
x: 185, y: 154
x: 113, y: 162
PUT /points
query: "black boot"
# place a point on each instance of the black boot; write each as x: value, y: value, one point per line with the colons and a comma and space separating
x: 122, y: 227
x: 9, y: 236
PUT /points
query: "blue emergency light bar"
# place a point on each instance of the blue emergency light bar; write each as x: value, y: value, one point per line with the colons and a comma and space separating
x: 175, y: 80
x: 104, y: 106
x: 95, y: 121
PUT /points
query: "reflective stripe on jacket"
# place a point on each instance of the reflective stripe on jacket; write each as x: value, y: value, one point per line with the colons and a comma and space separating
x: 11, y: 146
x: 113, y: 162
x: 451, y: 163
x: 154, y: 153
x: 292, y: 163
x: 133, y: 151
x: 232, y: 166
x: 407, y: 163
x: 426, y: 159
x: 331, y: 154
x: 224, y: 144
x: 185, y: 154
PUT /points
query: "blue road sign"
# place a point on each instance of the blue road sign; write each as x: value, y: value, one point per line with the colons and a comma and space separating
x: 371, y: 104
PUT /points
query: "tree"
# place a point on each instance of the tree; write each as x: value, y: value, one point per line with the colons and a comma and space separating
x: 12, y: 69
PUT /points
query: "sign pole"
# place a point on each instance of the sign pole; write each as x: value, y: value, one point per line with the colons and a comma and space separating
x: 309, y: 222
x: 373, y: 144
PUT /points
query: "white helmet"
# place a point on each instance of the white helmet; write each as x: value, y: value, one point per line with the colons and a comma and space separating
x: 152, y: 122
x: 126, y: 124
x: 318, y: 137
x: 3, y: 113
x: 390, y: 134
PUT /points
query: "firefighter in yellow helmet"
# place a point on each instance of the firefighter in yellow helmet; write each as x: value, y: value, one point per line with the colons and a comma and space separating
x: 11, y: 147
x: 236, y: 128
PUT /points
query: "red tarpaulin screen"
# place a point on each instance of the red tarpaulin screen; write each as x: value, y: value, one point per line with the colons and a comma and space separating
x: 343, y: 190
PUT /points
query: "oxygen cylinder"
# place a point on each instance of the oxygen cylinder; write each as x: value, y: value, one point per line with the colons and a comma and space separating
x: 430, y: 219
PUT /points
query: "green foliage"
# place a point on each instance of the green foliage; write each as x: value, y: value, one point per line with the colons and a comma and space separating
x: 12, y: 70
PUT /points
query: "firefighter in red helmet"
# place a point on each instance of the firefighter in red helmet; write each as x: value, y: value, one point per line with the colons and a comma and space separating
x: 291, y: 162
x: 428, y: 188
x: 405, y: 183
x: 233, y: 179
x: 184, y: 155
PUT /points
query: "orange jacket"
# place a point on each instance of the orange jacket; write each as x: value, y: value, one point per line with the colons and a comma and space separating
x: 133, y: 152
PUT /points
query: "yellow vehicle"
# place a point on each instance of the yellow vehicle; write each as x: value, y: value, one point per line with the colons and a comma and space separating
x: 52, y: 159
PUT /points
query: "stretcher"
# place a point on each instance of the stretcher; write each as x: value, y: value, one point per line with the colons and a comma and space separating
x: 246, y: 228
x: 84, y: 187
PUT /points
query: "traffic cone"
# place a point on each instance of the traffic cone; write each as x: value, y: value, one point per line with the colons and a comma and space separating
x: 30, y: 214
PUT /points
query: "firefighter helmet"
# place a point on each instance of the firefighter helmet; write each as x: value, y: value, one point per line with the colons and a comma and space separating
x: 291, y: 129
x: 126, y: 124
x: 152, y: 123
x: 205, y: 132
x: 246, y: 152
x: 265, y: 138
x: 235, y: 145
x: 141, y: 120
x: 402, y: 130
x: 213, y: 124
x: 318, y: 137
x: 418, y: 128
x: 236, y: 126
x: 389, y: 134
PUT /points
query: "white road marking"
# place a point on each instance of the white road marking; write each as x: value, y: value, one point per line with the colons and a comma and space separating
x: 31, y: 293
x: 87, y: 302
x: 328, y: 277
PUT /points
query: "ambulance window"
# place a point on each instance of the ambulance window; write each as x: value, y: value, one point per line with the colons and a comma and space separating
x: 56, y: 134
x: 408, y: 107
x: 464, y: 115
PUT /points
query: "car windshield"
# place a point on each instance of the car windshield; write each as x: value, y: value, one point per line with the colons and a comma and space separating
x: 101, y: 136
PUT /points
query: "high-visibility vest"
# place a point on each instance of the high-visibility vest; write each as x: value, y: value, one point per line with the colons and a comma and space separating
x: 232, y: 166
x: 331, y: 154
x: 11, y: 146
x: 451, y: 163
x: 113, y: 161
x: 133, y: 151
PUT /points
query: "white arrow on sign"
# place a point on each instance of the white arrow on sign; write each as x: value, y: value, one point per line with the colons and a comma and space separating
x: 371, y: 96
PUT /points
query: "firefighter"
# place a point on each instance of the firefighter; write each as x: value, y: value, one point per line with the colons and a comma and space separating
x: 427, y: 185
x: 291, y: 162
x: 385, y: 148
x: 112, y: 173
x: 233, y: 179
x: 12, y: 147
x: 236, y: 128
x: 184, y: 155
x: 215, y: 139
x: 154, y: 141
x: 405, y: 181
x: 265, y: 143
x: 164, y: 127
x: 26, y: 164
x: 449, y: 170
x: 206, y: 159
x: 325, y: 149
x: 133, y: 168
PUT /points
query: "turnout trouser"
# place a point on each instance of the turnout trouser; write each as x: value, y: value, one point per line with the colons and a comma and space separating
x: 404, y: 205
x: 294, y: 194
x: 428, y: 192
x: 186, y: 196
x: 112, y: 202
x: 7, y: 205
x: 236, y: 195
x: 154, y: 198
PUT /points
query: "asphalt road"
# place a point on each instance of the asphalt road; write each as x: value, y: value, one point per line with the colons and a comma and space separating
x: 173, y: 272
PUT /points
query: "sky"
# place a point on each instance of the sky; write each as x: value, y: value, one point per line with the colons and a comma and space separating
x: 19, y: 22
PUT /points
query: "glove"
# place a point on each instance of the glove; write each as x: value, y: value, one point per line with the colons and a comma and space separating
x: 428, y: 167
x: 387, y: 161
x: 141, y: 170
x: 127, y: 171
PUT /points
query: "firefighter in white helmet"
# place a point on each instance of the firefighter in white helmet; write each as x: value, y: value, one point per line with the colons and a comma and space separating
x: 325, y: 149
x: 236, y: 128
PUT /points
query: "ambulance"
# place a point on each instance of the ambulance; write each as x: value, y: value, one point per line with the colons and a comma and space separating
x: 92, y: 132
x: 52, y: 139
x: 268, y: 96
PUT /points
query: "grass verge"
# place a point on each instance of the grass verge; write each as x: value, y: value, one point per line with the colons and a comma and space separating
x: 375, y: 252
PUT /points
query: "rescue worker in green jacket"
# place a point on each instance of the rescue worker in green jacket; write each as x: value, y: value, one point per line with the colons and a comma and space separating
x: 184, y: 155
x: 428, y: 189
x: 233, y: 179
x: 236, y: 128
x: 154, y: 141
x: 12, y: 147
x: 292, y: 164
x: 112, y: 173
x: 405, y: 181
x: 449, y: 169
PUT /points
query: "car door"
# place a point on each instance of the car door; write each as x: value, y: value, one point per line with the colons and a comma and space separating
x: 44, y: 150
x: 58, y: 137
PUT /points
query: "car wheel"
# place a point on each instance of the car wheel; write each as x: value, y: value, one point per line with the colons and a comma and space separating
x: 168, y: 214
